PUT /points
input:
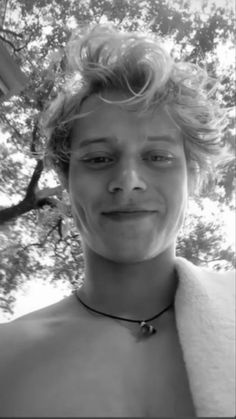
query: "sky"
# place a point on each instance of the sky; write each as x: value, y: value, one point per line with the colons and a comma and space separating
x: 35, y: 295
x: 196, y: 4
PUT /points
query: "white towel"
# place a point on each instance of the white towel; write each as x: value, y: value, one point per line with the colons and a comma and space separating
x: 205, y: 318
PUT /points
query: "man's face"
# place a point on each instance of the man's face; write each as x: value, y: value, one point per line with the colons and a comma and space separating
x: 127, y: 180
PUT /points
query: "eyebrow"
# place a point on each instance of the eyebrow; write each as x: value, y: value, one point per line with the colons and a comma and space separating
x: 106, y: 140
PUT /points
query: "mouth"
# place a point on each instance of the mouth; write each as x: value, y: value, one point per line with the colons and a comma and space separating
x: 128, y: 215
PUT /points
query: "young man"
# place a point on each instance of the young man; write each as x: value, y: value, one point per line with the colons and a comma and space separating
x: 148, y: 334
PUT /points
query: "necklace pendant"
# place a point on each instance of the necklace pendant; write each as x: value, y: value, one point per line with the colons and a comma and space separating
x: 147, y: 329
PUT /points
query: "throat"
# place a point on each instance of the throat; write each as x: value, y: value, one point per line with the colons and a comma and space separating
x: 137, y: 291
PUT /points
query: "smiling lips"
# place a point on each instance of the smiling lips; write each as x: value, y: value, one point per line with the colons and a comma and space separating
x: 128, y: 214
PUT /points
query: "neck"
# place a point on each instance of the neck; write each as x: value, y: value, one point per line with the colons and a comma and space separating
x: 137, y: 290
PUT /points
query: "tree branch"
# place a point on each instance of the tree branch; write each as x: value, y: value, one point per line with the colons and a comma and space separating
x: 34, y: 138
x: 8, y: 214
x: 25, y: 45
x: 8, y: 42
x: 26, y: 205
x: 47, y: 192
x: 30, y: 192
x: 13, y: 46
x: 4, y: 118
x: 33, y: 199
x: 8, y: 31
x: 4, y: 12
x: 42, y: 243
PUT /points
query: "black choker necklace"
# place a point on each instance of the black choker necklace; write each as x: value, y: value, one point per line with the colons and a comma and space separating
x: 146, y: 329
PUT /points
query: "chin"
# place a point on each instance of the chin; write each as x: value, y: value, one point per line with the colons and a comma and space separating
x: 127, y: 257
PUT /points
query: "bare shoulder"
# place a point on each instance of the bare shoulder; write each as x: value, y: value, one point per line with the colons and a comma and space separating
x: 34, y: 326
x: 33, y: 349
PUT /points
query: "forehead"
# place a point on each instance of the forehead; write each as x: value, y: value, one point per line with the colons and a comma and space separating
x: 114, y: 119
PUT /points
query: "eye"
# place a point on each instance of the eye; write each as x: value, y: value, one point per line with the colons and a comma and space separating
x: 98, y: 161
x: 159, y: 158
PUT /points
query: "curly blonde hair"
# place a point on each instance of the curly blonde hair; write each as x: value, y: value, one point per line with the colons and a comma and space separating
x: 105, y: 58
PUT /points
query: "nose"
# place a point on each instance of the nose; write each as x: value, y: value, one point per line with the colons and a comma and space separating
x: 127, y: 180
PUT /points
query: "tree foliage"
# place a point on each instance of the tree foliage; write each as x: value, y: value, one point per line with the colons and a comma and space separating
x: 37, y: 235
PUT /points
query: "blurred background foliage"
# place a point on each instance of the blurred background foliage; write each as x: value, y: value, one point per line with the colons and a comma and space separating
x: 37, y: 235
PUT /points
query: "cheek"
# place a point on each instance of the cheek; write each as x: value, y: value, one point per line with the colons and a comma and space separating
x: 175, y: 183
x: 79, y: 197
x: 84, y: 198
x: 177, y: 193
x: 77, y: 193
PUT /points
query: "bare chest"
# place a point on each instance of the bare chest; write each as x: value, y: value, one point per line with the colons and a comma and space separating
x: 103, y: 373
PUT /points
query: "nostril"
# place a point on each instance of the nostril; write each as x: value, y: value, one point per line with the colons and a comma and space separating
x: 127, y: 185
